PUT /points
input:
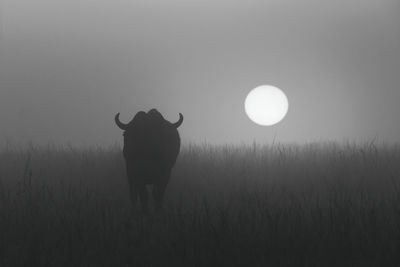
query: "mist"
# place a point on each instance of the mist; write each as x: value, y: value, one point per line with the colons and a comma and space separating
x: 67, y: 67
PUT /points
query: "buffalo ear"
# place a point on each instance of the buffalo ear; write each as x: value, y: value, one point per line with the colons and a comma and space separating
x: 121, y: 125
x: 179, y: 122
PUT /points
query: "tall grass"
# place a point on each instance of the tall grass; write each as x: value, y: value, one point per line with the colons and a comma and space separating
x: 318, y: 204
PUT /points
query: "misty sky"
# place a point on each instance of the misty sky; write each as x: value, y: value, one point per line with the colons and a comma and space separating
x: 67, y: 66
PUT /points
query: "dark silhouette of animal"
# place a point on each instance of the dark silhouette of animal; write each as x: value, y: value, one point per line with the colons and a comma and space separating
x: 151, y: 146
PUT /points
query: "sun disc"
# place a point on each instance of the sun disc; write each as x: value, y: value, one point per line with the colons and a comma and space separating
x: 266, y: 105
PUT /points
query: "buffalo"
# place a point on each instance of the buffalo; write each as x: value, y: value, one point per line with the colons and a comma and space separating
x: 151, y: 147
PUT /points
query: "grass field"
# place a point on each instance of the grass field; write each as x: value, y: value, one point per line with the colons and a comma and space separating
x: 318, y: 204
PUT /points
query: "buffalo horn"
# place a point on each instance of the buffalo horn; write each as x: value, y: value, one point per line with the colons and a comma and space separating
x: 121, y: 125
x: 179, y: 122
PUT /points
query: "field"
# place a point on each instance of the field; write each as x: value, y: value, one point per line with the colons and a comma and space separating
x: 317, y: 204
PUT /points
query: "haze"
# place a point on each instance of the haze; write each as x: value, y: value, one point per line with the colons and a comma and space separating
x: 68, y: 66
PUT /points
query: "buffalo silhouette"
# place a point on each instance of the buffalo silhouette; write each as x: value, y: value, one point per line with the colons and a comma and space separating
x: 151, y: 146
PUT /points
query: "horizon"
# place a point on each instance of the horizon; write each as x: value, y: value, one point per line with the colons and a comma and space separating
x: 275, y: 142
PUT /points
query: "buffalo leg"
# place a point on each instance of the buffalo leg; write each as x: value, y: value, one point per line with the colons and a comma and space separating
x: 133, y: 194
x: 159, y: 191
x: 133, y: 187
x: 143, y: 195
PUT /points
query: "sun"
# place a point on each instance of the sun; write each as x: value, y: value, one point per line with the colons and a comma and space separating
x: 266, y: 105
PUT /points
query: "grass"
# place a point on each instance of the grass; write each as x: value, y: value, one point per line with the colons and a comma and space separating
x: 317, y: 204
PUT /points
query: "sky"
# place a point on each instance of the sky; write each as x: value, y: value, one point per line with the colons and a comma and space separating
x: 68, y: 66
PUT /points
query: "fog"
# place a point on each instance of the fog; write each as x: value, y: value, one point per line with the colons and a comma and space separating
x: 67, y: 66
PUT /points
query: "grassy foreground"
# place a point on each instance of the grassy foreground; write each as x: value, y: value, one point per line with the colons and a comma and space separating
x: 318, y: 204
